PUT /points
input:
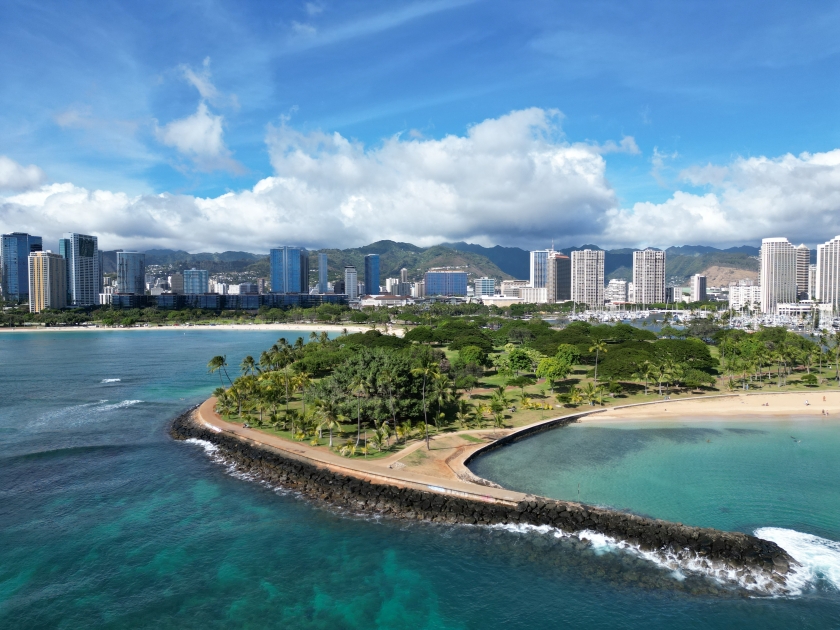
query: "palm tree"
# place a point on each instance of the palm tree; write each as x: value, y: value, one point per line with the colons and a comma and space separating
x: 598, y: 347
x: 440, y: 393
x: 299, y: 384
x: 428, y: 370
x: 248, y: 365
x: 329, y: 417
x: 590, y: 393
x: 358, y: 386
x: 313, y: 336
x: 219, y: 364
x: 464, y: 413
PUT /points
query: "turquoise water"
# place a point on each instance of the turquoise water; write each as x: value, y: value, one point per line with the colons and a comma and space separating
x: 107, y: 523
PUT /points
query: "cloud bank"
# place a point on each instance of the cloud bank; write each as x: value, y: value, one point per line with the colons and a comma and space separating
x: 512, y: 180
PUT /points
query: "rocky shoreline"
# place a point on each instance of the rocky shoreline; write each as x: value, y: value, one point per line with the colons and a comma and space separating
x: 757, y: 564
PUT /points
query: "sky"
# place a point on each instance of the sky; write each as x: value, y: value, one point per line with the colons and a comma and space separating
x: 215, y: 125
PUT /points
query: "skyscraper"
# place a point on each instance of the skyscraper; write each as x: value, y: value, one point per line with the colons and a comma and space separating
x: 803, y: 261
x: 812, y: 282
x: 131, y: 273
x: 588, y: 277
x: 351, y: 282
x: 47, y: 285
x: 403, y: 275
x: 698, y: 288
x: 83, y: 273
x: 322, y: 273
x: 778, y: 273
x: 649, y: 276
x: 558, y: 278
x: 289, y: 270
x: 485, y: 286
x: 196, y: 281
x: 827, y: 279
x: 446, y: 282
x: 539, y: 268
x: 14, y: 264
x: 372, y: 274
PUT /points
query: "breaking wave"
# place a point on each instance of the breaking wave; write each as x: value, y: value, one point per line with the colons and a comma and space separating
x: 819, y: 557
x: 110, y: 380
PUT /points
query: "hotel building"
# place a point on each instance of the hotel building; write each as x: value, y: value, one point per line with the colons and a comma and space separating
x: 778, y: 273
x: 588, y: 277
x: 47, y: 286
x: 649, y: 276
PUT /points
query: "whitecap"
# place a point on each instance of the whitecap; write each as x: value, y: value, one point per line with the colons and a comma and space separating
x: 678, y: 563
x: 110, y: 380
x: 819, y: 557
x: 120, y: 405
x: 208, y: 447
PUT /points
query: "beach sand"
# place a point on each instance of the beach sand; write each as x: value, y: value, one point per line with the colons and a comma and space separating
x: 759, y: 407
x: 330, y: 328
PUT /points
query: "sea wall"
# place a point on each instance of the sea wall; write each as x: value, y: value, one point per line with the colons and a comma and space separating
x: 730, y: 549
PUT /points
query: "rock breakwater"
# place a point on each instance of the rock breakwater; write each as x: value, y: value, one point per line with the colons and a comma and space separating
x: 752, y: 562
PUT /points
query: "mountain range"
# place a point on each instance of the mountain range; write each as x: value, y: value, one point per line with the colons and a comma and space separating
x: 495, y: 262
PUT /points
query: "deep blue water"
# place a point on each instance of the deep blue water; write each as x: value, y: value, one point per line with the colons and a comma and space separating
x: 105, y: 522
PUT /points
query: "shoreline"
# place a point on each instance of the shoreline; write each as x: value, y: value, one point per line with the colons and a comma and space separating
x: 746, y: 407
x: 351, y: 328
x: 368, y: 487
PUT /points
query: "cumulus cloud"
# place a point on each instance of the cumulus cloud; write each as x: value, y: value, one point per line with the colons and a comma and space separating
x: 199, y: 137
x: 14, y: 176
x: 510, y: 179
x: 749, y: 199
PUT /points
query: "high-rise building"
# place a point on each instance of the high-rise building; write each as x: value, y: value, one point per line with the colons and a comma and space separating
x: 698, y: 288
x: 539, y: 268
x: 744, y: 294
x: 47, y: 285
x: 83, y: 274
x: 511, y: 288
x: 803, y: 262
x: 616, y: 291
x: 778, y: 273
x: 649, y: 276
x: 196, y: 281
x: 289, y: 270
x: 558, y: 282
x: 322, y: 273
x: 446, y: 282
x: 403, y: 275
x: 419, y: 289
x: 812, y: 282
x: 588, y: 277
x: 131, y: 272
x: 176, y: 283
x: 351, y: 282
x: 827, y: 276
x: 14, y: 264
x: 485, y: 286
x: 372, y: 274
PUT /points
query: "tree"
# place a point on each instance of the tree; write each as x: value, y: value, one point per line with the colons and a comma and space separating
x: 464, y: 413
x: 519, y: 361
x: 522, y: 382
x: 359, y: 388
x: 553, y: 369
x: 329, y: 417
x: 473, y: 354
x: 248, y: 365
x: 428, y: 370
x: 219, y: 364
x: 441, y: 393
x: 597, y: 347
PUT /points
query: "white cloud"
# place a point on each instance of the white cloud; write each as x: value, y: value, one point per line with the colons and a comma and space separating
x: 201, y: 80
x: 749, y: 199
x: 14, y: 176
x: 199, y: 137
x: 511, y: 179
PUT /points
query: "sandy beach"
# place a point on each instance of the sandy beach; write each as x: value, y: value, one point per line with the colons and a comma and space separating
x: 330, y: 328
x: 759, y: 407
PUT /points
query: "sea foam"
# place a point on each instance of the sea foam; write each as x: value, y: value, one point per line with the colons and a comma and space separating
x: 110, y: 380
x: 819, y: 557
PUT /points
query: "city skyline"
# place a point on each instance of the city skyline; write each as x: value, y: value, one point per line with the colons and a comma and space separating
x: 570, y: 124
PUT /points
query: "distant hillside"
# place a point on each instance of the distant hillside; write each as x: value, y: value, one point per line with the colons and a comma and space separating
x: 394, y: 256
x: 174, y: 257
x: 511, y: 260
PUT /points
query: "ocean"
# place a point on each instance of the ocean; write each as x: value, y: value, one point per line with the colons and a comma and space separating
x: 105, y: 522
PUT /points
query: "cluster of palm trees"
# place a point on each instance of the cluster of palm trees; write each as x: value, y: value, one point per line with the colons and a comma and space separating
x: 751, y: 359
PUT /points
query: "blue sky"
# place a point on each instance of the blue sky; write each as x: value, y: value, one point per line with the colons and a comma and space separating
x: 91, y: 94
